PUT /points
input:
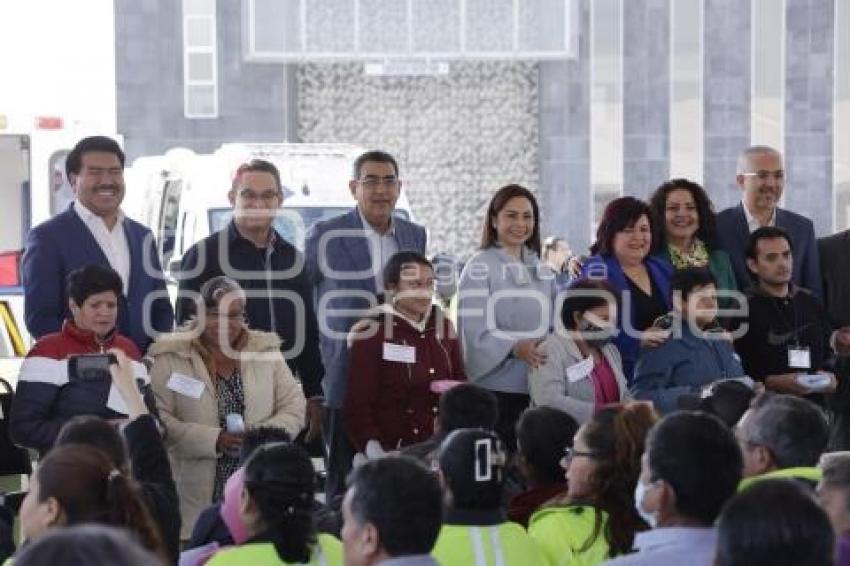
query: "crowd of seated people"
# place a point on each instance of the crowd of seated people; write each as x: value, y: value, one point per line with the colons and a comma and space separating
x: 677, y: 396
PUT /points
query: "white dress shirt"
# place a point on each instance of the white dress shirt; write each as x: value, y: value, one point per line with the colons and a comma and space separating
x: 112, y: 242
x: 752, y: 222
x: 384, y: 244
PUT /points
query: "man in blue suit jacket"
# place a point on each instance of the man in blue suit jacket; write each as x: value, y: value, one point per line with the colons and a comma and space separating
x: 762, y: 180
x: 94, y: 230
x: 345, y: 257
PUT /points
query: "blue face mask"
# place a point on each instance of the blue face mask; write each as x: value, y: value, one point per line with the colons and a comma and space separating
x: 640, y: 492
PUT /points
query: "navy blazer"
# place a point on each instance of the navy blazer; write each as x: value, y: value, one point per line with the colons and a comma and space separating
x: 733, y: 235
x: 835, y: 255
x: 340, y: 263
x: 64, y: 243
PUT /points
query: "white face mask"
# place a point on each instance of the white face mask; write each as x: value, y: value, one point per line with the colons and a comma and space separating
x: 640, y: 493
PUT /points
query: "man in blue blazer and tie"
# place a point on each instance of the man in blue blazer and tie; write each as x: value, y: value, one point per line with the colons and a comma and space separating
x: 345, y: 257
x: 761, y: 177
x: 94, y: 230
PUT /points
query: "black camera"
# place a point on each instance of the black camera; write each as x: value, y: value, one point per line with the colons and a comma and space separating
x: 91, y: 367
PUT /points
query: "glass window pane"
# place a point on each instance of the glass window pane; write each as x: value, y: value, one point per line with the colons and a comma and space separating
x: 198, y: 7
x: 489, y: 25
x: 199, y: 32
x: 383, y: 26
x: 542, y: 25
x: 277, y: 26
x: 200, y: 67
x: 201, y: 101
x: 436, y: 25
x: 330, y: 26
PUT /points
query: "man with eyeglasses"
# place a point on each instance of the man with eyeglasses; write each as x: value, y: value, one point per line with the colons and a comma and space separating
x: 345, y: 259
x: 761, y: 177
x: 95, y: 231
x: 270, y: 271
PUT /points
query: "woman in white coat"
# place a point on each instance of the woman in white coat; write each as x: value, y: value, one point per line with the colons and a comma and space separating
x: 583, y: 371
x: 213, y: 379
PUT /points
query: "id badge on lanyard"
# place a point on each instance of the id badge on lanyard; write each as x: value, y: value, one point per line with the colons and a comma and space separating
x: 799, y: 357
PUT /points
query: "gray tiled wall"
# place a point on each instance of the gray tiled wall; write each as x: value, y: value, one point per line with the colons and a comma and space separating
x: 808, y: 110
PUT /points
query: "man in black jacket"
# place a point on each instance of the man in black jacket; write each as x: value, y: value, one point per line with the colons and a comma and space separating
x: 270, y: 271
x: 147, y: 460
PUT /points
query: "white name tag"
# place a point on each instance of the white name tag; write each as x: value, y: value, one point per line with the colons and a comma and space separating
x: 185, y: 385
x: 399, y: 353
x: 799, y: 358
x: 579, y: 371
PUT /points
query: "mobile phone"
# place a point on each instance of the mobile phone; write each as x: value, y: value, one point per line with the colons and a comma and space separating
x: 13, y: 500
x: 90, y: 367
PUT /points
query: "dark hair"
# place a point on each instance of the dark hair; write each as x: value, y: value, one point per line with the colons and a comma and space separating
x: 402, y: 500
x: 375, y: 156
x: 94, y: 431
x: 620, y: 214
x: 497, y: 203
x: 90, y: 280
x: 616, y: 436
x: 89, y: 544
x: 90, y: 490
x: 214, y: 289
x: 728, y: 401
x: 280, y: 480
x: 793, y: 429
x: 686, y: 280
x: 765, y: 233
x: 260, y: 436
x: 698, y: 456
x: 542, y: 434
x: 257, y: 166
x: 392, y: 271
x: 473, y: 464
x: 74, y: 161
x: 468, y: 406
x: 577, y: 300
x: 707, y: 224
x: 774, y: 523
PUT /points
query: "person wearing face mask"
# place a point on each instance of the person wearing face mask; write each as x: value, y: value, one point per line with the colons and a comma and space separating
x: 396, y: 356
x: 690, y: 468
x: 597, y: 519
x: 696, y: 355
x: 583, y: 371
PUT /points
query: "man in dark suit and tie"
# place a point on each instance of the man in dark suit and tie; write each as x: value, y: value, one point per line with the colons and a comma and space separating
x: 345, y: 257
x: 94, y: 231
x: 761, y: 177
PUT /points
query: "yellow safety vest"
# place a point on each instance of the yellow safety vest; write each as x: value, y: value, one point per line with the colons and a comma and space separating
x: 505, y: 544
x: 328, y: 552
x: 562, y: 533
x: 802, y: 473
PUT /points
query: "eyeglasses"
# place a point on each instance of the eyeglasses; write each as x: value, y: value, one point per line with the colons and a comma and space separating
x: 373, y: 182
x: 765, y: 175
x: 267, y: 197
x: 570, y: 453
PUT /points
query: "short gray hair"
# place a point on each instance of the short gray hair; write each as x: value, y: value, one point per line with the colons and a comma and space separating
x: 793, y: 429
x: 746, y: 155
x: 836, y: 469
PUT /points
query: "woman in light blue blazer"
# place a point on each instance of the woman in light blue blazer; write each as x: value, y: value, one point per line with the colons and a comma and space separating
x: 505, y: 304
